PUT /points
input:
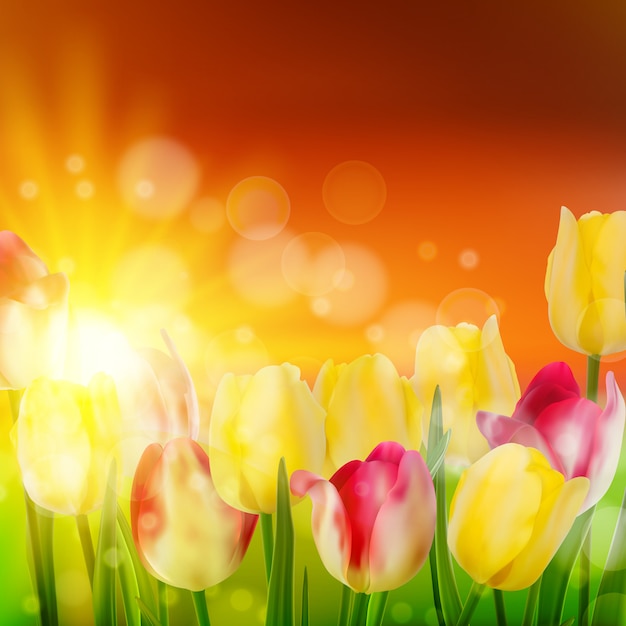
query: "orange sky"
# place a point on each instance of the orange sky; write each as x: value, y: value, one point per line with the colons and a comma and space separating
x: 482, y: 120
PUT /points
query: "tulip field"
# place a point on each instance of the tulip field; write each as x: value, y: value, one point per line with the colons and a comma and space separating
x: 445, y: 498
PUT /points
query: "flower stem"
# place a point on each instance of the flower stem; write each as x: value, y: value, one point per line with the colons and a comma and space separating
x: 376, y: 608
x: 86, y: 542
x: 202, y: 612
x: 345, y: 608
x: 531, y: 603
x: 498, y: 598
x: 267, y: 532
x: 164, y: 618
x: 593, y: 374
x: 359, y: 609
x: 470, y: 604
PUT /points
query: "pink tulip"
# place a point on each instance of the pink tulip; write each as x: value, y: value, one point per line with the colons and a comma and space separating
x: 373, y: 522
x: 577, y: 437
x: 185, y: 534
x: 33, y: 315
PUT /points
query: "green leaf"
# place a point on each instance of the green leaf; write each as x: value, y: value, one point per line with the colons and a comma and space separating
x: 128, y: 582
x: 435, y: 458
x: 610, y: 605
x: 104, y: 601
x: 146, y: 613
x: 555, y: 578
x: 144, y: 580
x: 280, y: 605
x: 444, y: 582
x: 304, y: 620
x: 569, y: 622
x: 376, y: 608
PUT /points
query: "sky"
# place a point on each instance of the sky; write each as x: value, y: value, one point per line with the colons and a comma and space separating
x: 287, y: 181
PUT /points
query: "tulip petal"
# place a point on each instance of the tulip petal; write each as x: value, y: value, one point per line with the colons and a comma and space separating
x: 493, y: 511
x: 607, y: 444
x: 404, y: 527
x: 499, y: 430
x: 330, y: 524
x: 554, y: 519
x: 387, y: 451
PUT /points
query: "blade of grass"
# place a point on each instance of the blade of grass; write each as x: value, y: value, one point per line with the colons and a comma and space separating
x: 304, y: 619
x: 280, y: 605
x: 104, y: 590
x: 610, y: 606
x: 128, y: 582
x: 147, y: 614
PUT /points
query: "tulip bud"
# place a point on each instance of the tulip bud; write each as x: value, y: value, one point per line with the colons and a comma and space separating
x: 255, y: 421
x: 373, y: 522
x: 64, y: 436
x: 584, y: 282
x: 577, y: 437
x: 473, y: 372
x: 367, y: 402
x: 509, y: 515
x: 33, y: 315
x: 185, y: 534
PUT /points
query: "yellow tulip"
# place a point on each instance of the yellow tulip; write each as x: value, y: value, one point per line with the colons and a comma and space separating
x: 33, y: 315
x: 509, y: 515
x: 255, y: 421
x: 473, y: 373
x: 64, y: 437
x: 584, y: 282
x: 366, y: 402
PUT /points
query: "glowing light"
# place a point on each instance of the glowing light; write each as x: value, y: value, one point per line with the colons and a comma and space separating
x: 75, y: 164
x: 401, y: 612
x: 354, y: 192
x: 375, y: 333
x: 468, y: 259
x: 427, y: 250
x: 238, y: 351
x: 320, y: 306
x: 258, y: 208
x: 255, y: 271
x: 312, y: 262
x: 84, y: 189
x: 362, y: 289
x: 29, y: 189
x: 207, y: 215
x: 158, y: 177
x: 400, y: 327
x: 466, y: 305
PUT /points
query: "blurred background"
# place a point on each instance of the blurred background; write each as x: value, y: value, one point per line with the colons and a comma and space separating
x: 295, y: 182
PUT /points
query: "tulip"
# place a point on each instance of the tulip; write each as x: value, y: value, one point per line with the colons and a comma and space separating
x: 509, y: 514
x: 33, y: 315
x: 255, y: 421
x: 584, y: 282
x: 64, y: 438
x: 373, y: 522
x: 366, y: 402
x: 473, y: 372
x: 577, y: 437
x: 185, y: 534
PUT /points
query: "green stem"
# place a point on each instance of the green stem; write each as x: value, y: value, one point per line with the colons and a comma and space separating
x: 86, y: 542
x: 202, y: 612
x: 432, y: 559
x: 498, y: 598
x: 267, y: 532
x: 32, y: 522
x: 164, y: 617
x: 359, y: 609
x: 376, y: 608
x: 531, y: 603
x: 593, y: 374
x: 470, y: 604
x: 345, y: 607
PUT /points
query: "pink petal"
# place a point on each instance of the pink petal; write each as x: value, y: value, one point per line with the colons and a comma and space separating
x: 329, y: 522
x: 389, y: 451
x: 569, y: 426
x: 498, y: 430
x: 553, y: 383
x: 607, y: 444
x: 404, y: 527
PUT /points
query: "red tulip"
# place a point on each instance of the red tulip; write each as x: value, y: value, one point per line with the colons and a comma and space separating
x: 374, y: 520
x: 577, y: 436
x: 185, y: 534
